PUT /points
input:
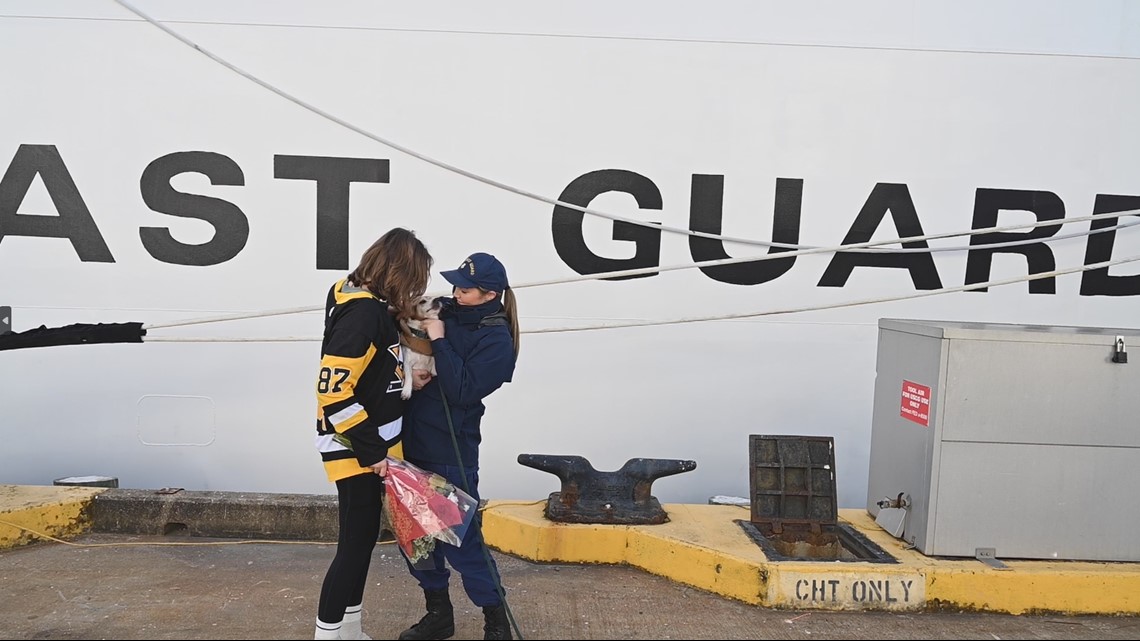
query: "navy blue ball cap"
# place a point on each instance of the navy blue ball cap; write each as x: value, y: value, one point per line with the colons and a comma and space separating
x: 479, y: 270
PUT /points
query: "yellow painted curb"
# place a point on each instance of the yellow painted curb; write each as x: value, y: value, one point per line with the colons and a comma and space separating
x: 1063, y: 587
x: 29, y: 511
x: 683, y: 549
x: 701, y: 546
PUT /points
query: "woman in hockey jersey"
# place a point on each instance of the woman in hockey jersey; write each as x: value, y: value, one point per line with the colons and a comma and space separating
x: 359, y: 411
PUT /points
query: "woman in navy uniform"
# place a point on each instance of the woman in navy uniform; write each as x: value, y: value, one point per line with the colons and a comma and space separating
x: 475, y: 343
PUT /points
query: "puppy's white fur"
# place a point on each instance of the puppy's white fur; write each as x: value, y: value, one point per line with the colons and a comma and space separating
x: 425, y: 308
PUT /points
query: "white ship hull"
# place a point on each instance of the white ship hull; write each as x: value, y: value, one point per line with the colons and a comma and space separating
x: 824, y: 121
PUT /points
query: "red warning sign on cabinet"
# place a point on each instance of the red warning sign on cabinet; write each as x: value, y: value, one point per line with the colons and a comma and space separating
x: 915, y: 403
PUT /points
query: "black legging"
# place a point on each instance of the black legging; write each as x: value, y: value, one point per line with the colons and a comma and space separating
x: 359, y: 498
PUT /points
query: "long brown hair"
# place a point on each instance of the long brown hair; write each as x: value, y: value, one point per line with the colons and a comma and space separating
x: 511, y: 309
x: 396, y: 268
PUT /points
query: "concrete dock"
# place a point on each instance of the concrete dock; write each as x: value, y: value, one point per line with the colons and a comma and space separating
x: 72, y: 552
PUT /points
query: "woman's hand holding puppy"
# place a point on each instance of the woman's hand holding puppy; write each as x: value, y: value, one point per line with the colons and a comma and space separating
x: 433, y: 327
x: 420, y: 377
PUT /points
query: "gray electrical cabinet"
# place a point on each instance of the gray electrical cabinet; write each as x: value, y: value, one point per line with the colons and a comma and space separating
x: 1019, y: 441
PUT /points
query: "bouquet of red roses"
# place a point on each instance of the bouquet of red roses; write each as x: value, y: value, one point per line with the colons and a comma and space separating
x: 422, y: 507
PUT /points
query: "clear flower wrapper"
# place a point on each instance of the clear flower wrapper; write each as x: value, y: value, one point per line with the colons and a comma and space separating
x: 422, y: 508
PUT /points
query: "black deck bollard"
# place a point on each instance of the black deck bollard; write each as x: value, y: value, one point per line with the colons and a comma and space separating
x: 619, y: 498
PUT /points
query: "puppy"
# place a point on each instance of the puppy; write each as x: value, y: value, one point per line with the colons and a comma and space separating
x: 416, y: 346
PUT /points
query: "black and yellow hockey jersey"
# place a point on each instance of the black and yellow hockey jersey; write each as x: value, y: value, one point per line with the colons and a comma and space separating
x: 358, y: 387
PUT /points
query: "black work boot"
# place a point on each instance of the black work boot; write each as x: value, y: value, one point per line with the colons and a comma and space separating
x: 496, y: 625
x: 438, y: 623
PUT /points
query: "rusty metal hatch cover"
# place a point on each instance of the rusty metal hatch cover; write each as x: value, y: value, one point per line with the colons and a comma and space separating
x: 792, y: 479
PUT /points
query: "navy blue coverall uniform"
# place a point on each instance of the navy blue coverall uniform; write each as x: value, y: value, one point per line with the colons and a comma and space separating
x: 474, y: 358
